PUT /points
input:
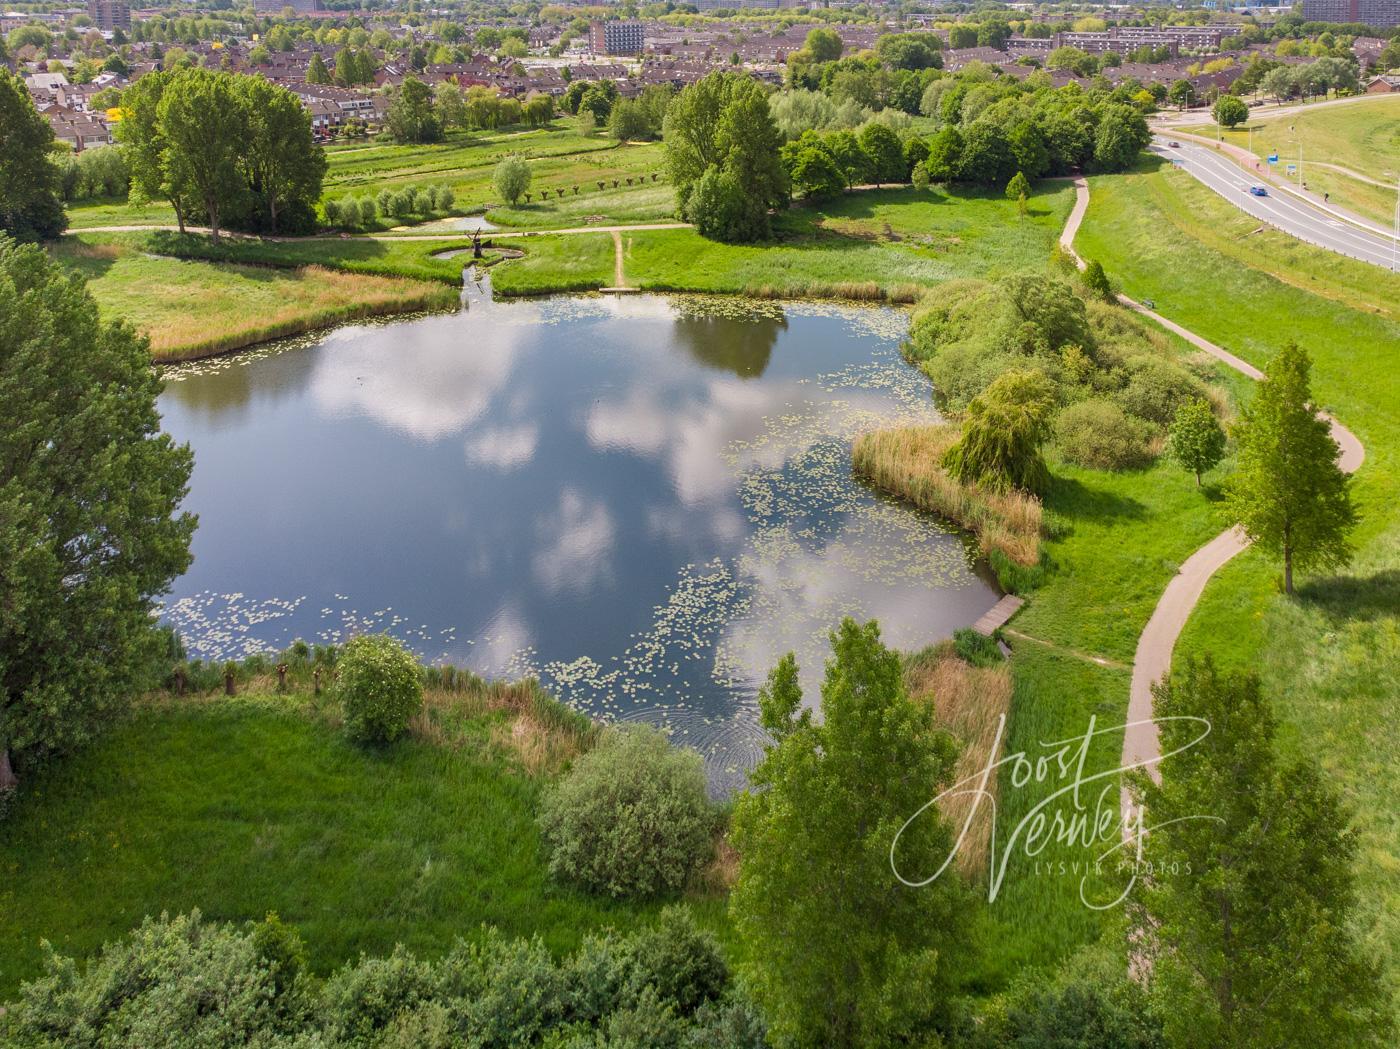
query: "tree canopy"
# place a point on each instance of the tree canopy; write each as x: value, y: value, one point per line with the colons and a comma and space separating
x: 90, y: 528
x: 30, y: 204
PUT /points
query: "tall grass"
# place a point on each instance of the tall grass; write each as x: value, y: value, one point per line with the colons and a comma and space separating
x: 906, y: 461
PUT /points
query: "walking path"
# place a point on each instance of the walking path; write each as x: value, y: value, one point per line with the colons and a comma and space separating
x: 619, y: 278
x: 1152, y: 660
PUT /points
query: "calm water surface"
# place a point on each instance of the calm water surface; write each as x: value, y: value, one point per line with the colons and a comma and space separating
x: 645, y: 501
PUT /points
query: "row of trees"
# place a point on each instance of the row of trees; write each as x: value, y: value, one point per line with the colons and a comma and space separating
x: 235, y: 152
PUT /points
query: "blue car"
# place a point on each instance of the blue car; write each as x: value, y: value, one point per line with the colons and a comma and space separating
x: 1258, y: 191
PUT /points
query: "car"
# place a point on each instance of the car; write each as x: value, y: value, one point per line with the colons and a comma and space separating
x: 1258, y: 191
x: 1173, y: 145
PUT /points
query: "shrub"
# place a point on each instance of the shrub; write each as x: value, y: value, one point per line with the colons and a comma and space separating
x: 1096, y: 280
x: 1098, y: 434
x: 511, y: 178
x: 385, y: 200
x: 1001, y: 437
x: 349, y: 213
x: 446, y: 198
x: 678, y: 961
x: 1157, y: 388
x: 379, y: 688
x: 332, y: 212
x: 919, y: 177
x: 631, y: 818
x: 369, y: 211
x: 976, y: 648
x: 364, y: 998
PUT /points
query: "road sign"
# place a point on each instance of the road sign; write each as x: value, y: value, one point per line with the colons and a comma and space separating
x: 1293, y: 169
x: 1273, y: 158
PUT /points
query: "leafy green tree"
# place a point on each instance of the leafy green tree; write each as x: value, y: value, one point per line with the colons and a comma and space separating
x: 512, y: 178
x: 919, y: 177
x: 631, y: 818
x: 144, y: 143
x: 30, y: 204
x: 316, y: 72
x: 1229, y: 111
x: 824, y: 45
x: 1002, y: 434
x: 628, y: 122
x: 1121, y: 136
x: 944, y: 161
x: 1096, y: 280
x: 1018, y: 189
x: 411, y: 117
x: 90, y: 533
x: 986, y: 155
x: 837, y: 950
x: 723, y: 122
x: 816, y: 176
x: 1182, y: 93
x: 855, y: 163
x: 1246, y: 920
x: 1288, y: 493
x: 283, y: 166
x: 379, y: 688
x: 886, y: 153
x: 1196, y: 440
x: 449, y: 105
x: 205, y: 130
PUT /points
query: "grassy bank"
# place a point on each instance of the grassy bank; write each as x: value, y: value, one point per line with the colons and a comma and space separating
x: 240, y: 806
x: 192, y: 309
x: 1331, y: 658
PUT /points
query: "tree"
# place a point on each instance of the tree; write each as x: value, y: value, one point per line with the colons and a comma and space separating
x: 1229, y: 111
x: 411, y: 117
x: 283, y: 165
x: 1096, y: 280
x: 512, y: 178
x: 837, y: 950
x: 919, y: 176
x: 1018, y: 189
x: 824, y: 45
x: 205, y: 130
x: 945, y: 155
x: 1246, y: 919
x: 1288, y: 493
x: 986, y: 155
x: 30, y: 203
x: 886, y: 153
x: 316, y: 72
x: 1196, y: 440
x: 90, y: 533
x: 816, y: 175
x: 1181, y: 93
x: 631, y: 818
x: 448, y: 104
x: 1121, y: 136
x: 723, y: 122
x: 1001, y: 436
x: 628, y: 122
x: 379, y: 688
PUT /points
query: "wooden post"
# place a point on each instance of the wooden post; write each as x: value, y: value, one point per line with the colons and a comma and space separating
x: 316, y: 681
x: 281, y: 677
x: 228, y: 683
x: 179, y: 681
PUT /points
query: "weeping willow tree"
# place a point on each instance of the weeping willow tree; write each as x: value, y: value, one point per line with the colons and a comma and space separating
x: 1002, y: 433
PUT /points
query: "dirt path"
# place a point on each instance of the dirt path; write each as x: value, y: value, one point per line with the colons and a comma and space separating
x: 1152, y: 660
x: 619, y: 281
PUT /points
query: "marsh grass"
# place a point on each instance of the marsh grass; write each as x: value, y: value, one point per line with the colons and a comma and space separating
x: 907, y: 461
x: 970, y: 702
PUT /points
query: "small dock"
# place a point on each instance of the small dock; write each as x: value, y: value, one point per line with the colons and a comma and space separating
x: 998, y: 615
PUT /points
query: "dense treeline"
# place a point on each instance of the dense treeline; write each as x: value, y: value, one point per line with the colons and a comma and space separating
x: 231, y: 151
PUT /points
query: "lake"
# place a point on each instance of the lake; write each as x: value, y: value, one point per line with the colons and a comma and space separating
x: 643, y: 500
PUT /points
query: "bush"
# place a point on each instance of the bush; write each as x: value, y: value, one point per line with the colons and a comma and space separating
x: 1157, y: 388
x: 511, y: 178
x: 631, y: 818
x: 446, y: 198
x: 368, y: 210
x: 1098, y: 434
x: 722, y: 212
x: 349, y: 213
x: 379, y: 688
x: 1096, y: 280
x: 1001, y: 436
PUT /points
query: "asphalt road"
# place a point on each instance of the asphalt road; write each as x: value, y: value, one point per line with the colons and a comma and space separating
x: 1279, y: 209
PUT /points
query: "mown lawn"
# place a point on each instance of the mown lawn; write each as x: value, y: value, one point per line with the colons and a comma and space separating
x: 192, y: 308
x: 242, y: 806
x: 869, y: 244
x: 1330, y: 658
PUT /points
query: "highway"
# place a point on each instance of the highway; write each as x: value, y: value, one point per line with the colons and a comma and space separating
x: 1280, y: 209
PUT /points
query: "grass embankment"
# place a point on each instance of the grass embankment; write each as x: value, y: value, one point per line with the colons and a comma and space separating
x: 1330, y: 658
x: 1346, y: 151
x: 241, y: 806
x: 194, y: 309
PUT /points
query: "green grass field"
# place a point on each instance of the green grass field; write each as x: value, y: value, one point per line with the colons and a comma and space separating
x: 191, y: 308
x: 1331, y: 658
x: 559, y: 159
x: 242, y: 806
x: 1361, y: 137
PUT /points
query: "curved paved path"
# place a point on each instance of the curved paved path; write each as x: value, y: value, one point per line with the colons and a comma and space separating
x: 1152, y: 660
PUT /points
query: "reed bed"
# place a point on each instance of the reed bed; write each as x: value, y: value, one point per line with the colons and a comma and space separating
x: 907, y: 461
x: 969, y: 702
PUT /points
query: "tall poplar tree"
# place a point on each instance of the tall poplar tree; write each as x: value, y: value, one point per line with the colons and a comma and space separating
x: 1288, y: 492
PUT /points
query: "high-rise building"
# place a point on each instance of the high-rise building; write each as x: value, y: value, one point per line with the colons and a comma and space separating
x: 1382, y: 14
x: 109, y: 15
x: 616, y: 38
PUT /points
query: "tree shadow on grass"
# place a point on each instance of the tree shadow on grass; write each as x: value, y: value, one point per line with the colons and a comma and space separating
x: 1355, y: 597
x: 1070, y: 500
